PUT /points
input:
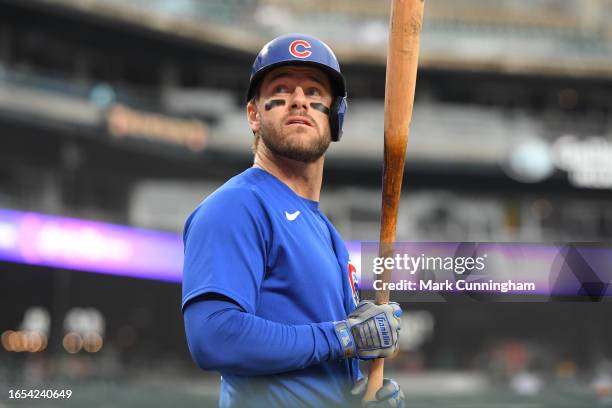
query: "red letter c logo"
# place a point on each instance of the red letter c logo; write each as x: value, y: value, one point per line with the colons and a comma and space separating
x: 302, y: 52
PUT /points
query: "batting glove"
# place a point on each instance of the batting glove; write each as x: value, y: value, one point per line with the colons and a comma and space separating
x: 370, y: 331
x: 390, y: 395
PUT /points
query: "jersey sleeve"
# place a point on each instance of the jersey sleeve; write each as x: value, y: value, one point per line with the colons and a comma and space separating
x: 226, y: 240
x: 224, y: 338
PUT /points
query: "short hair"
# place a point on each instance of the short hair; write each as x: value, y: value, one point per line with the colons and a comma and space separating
x: 256, y: 135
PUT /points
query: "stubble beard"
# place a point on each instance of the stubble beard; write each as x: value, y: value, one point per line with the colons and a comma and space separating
x: 280, y: 142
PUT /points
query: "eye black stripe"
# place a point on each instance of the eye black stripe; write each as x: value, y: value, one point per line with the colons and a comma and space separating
x: 320, y: 107
x: 274, y: 103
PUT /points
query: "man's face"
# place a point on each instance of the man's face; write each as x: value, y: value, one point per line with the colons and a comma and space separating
x: 288, y: 114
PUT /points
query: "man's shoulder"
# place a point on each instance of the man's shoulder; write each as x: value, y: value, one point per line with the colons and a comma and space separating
x: 234, y: 199
x: 243, y: 187
x: 245, y: 183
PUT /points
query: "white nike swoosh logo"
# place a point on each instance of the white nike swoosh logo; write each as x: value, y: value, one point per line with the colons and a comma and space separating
x: 292, y: 216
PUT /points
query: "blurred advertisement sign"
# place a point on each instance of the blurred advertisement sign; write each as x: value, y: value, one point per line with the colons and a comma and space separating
x: 124, y: 122
x: 60, y: 242
x: 587, y: 161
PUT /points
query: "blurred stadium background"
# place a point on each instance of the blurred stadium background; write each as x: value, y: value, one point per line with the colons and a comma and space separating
x: 130, y: 113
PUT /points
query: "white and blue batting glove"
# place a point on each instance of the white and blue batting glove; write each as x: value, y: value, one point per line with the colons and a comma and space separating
x: 390, y: 395
x: 370, y: 331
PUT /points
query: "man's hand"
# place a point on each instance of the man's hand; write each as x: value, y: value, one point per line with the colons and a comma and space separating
x: 390, y: 395
x: 370, y: 331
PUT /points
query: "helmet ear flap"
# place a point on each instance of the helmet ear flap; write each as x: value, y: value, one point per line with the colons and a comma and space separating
x: 336, y: 117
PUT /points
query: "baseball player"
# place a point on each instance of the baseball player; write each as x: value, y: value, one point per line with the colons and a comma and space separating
x: 269, y: 297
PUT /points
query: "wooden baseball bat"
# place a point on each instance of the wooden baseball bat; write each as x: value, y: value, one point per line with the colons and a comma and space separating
x: 402, y: 61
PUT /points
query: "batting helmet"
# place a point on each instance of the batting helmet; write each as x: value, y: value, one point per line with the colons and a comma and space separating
x: 294, y: 49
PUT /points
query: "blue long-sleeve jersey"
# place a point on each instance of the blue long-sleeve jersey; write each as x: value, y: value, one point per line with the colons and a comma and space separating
x: 284, y: 271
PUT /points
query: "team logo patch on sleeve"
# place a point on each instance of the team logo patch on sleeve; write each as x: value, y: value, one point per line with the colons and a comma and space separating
x: 299, y: 49
x: 354, y: 280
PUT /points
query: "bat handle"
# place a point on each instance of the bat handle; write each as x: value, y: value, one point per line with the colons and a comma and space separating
x: 375, y: 379
x: 377, y: 366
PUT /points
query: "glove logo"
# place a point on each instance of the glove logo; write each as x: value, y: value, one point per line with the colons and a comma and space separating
x: 381, y: 321
x: 303, y: 51
x: 354, y: 281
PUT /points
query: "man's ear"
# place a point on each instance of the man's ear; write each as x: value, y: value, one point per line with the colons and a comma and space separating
x: 253, y: 116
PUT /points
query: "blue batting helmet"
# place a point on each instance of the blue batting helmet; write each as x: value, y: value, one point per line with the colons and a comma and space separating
x: 294, y: 49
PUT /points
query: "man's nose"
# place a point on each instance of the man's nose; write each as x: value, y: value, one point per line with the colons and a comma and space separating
x: 298, y: 98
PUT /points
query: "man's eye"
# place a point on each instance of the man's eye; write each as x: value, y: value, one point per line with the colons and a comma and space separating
x: 280, y: 89
x: 313, y: 92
